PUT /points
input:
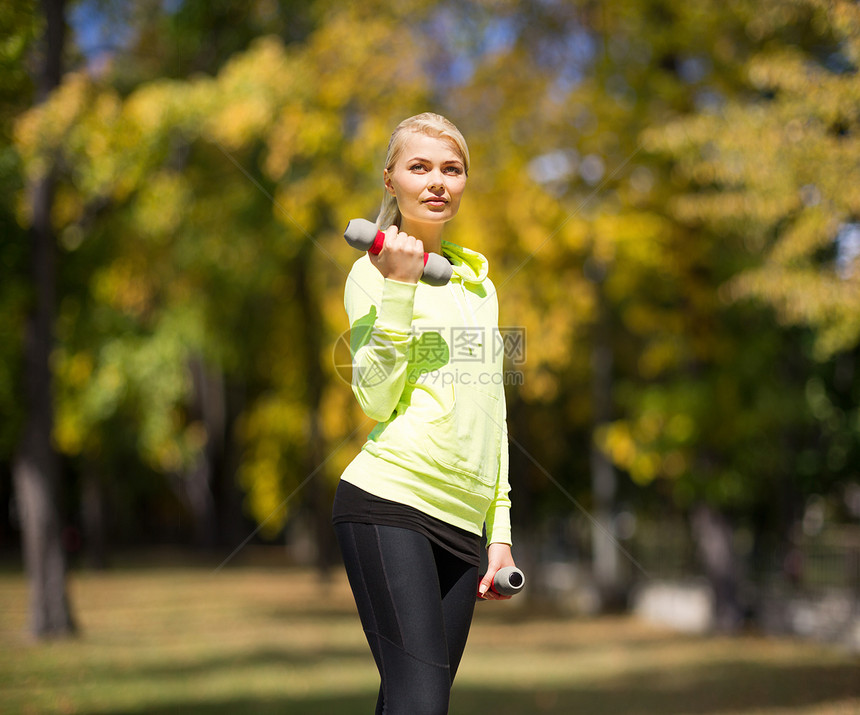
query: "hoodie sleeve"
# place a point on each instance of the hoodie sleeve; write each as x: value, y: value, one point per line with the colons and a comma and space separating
x: 380, y: 318
x: 498, y: 519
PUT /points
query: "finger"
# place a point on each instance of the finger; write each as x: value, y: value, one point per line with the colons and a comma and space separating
x: 390, y: 238
x: 410, y: 244
x: 484, y: 587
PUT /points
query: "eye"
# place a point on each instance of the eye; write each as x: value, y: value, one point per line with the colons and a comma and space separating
x: 417, y: 167
x: 453, y: 170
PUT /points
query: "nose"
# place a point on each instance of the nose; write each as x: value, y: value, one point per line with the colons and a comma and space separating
x: 435, y: 180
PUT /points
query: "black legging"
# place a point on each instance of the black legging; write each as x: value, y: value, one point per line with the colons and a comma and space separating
x: 415, y: 601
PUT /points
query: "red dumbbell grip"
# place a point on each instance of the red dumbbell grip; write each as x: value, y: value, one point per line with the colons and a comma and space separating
x: 379, y: 241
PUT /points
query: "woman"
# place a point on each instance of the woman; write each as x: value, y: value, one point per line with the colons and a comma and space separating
x: 427, y: 365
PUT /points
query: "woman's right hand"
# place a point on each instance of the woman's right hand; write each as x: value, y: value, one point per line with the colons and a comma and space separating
x: 401, y: 258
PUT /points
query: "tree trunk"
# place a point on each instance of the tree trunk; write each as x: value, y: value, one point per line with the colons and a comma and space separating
x: 231, y: 522
x: 713, y: 536
x: 201, y: 480
x: 94, y: 515
x: 605, y: 560
x: 36, y: 467
x: 44, y: 559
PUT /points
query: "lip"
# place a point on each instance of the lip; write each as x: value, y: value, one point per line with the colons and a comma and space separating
x: 435, y: 201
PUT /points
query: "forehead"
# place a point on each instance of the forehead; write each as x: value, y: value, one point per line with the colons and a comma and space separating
x: 440, y: 149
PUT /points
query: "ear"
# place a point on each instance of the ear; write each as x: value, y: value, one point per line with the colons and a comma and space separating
x: 386, y: 179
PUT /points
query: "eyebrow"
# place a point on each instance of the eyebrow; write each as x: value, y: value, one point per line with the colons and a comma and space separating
x: 427, y: 161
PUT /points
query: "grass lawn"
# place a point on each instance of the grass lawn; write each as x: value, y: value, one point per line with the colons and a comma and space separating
x: 261, y: 639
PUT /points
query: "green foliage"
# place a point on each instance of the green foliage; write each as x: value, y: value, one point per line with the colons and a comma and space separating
x: 780, y: 171
x: 185, y: 211
x: 640, y: 171
x: 19, y: 24
x: 768, y: 177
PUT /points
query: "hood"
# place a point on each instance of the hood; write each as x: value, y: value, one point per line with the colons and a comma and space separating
x: 470, y: 266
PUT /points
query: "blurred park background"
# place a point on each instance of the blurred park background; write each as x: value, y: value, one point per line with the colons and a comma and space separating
x: 669, y: 196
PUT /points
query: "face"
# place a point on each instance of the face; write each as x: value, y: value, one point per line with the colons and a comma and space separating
x: 427, y: 179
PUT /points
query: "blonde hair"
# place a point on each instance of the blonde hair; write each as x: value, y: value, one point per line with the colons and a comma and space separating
x: 433, y: 125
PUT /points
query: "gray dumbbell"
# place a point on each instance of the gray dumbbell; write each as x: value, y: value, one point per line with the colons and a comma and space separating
x: 508, y: 581
x: 363, y: 235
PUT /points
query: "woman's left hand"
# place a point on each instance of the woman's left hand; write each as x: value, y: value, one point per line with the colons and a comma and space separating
x: 498, y: 556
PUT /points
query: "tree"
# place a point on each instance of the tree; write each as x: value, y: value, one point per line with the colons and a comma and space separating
x: 760, y: 178
x: 707, y: 409
x: 20, y: 26
x: 142, y: 371
x: 36, y: 469
x: 204, y: 209
x: 789, y: 175
x: 203, y: 198
x: 601, y: 276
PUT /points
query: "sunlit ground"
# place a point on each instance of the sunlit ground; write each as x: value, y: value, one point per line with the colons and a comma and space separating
x: 266, y: 639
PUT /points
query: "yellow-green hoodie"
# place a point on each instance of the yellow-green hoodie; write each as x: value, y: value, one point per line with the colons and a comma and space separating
x: 428, y: 367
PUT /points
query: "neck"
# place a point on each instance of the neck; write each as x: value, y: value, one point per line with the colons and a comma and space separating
x: 430, y: 234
